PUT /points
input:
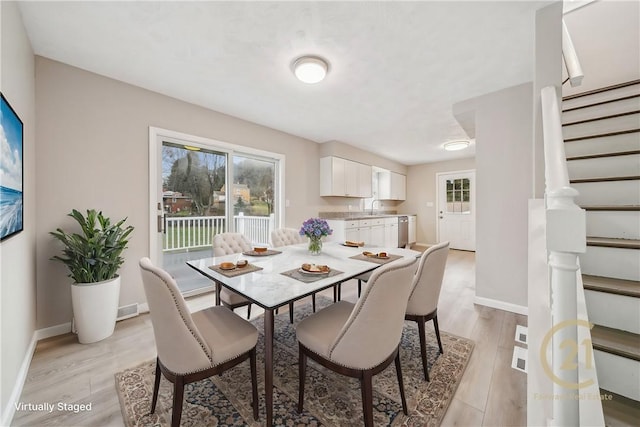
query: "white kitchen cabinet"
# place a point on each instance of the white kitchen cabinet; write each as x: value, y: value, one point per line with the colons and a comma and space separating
x: 391, y: 232
x: 378, y: 235
x: 364, y: 180
x: 398, y: 186
x: 392, y: 186
x: 352, y: 235
x: 344, y: 178
x: 370, y: 231
x: 412, y: 229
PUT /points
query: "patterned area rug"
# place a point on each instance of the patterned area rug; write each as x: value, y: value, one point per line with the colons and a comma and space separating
x: 330, y: 399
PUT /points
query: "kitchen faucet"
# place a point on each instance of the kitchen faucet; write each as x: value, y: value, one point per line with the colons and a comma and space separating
x: 372, y: 203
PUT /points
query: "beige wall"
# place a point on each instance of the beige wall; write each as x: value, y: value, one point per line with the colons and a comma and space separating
x: 17, y: 254
x: 93, y: 153
x: 504, y: 160
x: 421, y: 185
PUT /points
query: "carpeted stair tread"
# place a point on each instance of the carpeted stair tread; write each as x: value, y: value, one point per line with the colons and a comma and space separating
x: 614, y: 341
x: 620, y: 410
x: 613, y: 243
x: 610, y: 285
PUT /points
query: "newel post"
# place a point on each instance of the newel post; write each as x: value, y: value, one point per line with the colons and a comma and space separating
x: 566, y: 231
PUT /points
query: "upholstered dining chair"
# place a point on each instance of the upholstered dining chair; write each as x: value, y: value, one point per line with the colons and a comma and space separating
x: 360, y: 340
x: 227, y: 244
x: 423, y: 302
x: 192, y: 347
x: 285, y: 237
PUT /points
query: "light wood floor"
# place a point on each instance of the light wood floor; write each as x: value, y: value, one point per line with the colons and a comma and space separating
x: 491, y: 392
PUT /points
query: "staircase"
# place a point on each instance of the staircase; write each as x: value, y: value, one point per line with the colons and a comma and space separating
x: 601, y: 130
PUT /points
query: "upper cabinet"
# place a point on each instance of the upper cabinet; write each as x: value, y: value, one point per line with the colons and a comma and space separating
x: 341, y: 177
x: 391, y: 186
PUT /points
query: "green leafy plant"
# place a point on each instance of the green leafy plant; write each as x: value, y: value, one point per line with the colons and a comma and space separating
x: 94, y: 255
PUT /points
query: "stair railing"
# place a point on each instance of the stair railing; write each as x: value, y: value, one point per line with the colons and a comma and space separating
x: 570, y: 57
x: 565, y: 238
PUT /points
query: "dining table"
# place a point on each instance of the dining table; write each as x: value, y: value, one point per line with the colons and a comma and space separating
x: 275, y: 278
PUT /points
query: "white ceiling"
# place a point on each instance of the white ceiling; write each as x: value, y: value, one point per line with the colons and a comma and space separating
x: 396, y: 68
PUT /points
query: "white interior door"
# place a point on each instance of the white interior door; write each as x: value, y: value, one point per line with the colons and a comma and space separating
x: 457, y: 209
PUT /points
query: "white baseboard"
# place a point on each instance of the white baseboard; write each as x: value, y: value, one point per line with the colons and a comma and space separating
x: 9, y: 411
x: 52, y: 331
x: 40, y: 334
x: 501, y: 305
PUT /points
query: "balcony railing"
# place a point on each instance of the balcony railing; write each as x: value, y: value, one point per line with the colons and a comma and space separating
x: 196, y: 232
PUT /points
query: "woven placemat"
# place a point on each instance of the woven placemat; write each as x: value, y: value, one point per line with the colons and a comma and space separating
x: 265, y: 253
x: 250, y: 268
x: 362, y: 257
x: 308, y: 278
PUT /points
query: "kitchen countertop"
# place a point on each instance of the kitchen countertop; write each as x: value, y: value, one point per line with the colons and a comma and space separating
x: 360, y: 215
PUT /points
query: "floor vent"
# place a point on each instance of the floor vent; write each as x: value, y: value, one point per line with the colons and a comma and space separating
x: 519, y: 361
x: 127, y: 311
x: 521, y: 334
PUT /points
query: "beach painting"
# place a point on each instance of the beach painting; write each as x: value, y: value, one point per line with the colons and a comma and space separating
x: 11, y: 179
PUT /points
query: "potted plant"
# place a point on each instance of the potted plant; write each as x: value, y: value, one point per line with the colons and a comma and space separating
x: 93, y: 258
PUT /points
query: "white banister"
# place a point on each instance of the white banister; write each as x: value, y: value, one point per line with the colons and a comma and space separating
x: 566, y: 238
x: 570, y: 56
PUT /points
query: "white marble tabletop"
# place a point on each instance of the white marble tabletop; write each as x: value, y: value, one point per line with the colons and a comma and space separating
x: 270, y: 289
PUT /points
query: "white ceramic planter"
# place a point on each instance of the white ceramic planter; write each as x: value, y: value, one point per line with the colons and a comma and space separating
x: 95, y: 308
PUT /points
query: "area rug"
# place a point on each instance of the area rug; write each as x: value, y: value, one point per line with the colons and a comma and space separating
x: 330, y: 399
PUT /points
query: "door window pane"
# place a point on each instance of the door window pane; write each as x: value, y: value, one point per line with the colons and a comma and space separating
x: 194, y: 209
x: 253, y: 196
x: 459, y: 196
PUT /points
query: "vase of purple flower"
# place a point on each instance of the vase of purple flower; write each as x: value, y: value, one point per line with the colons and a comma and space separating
x: 315, y: 229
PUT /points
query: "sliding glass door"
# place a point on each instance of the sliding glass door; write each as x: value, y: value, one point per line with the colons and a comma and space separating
x: 200, y: 188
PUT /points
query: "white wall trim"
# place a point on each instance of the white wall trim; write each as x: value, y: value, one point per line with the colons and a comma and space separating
x: 143, y: 308
x: 52, y: 331
x: 9, y: 411
x: 501, y: 305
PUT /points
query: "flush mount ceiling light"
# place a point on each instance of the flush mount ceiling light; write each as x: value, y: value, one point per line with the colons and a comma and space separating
x: 310, y: 69
x: 456, y: 145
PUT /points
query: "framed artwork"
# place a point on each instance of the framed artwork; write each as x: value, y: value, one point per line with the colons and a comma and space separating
x: 11, y: 166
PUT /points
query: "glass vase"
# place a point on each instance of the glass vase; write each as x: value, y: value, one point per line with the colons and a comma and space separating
x: 315, y: 245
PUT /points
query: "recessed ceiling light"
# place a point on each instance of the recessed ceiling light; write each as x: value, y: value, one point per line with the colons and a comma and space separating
x: 456, y: 145
x: 310, y: 69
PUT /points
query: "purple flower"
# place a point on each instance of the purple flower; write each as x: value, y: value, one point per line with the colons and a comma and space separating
x: 315, y: 227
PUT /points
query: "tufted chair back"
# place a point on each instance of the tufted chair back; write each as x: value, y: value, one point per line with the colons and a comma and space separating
x: 374, y: 327
x: 286, y: 237
x: 428, y: 280
x: 180, y: 345
x: 230, y: 243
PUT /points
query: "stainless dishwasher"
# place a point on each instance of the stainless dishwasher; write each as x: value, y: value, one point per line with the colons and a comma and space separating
x: 403, y: 231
